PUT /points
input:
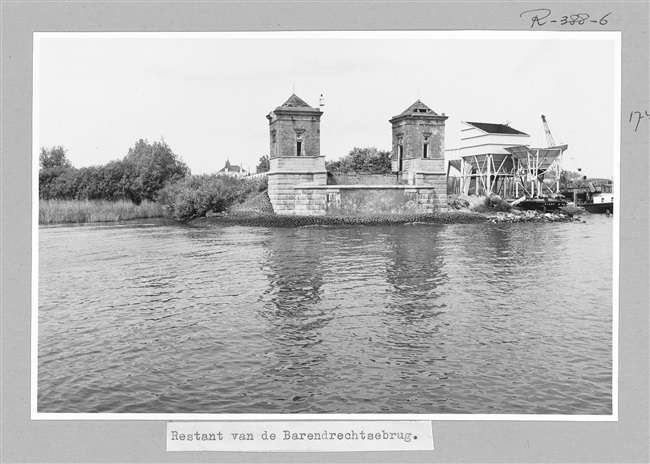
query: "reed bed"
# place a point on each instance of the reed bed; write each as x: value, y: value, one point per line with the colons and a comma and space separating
x: 66, y: 211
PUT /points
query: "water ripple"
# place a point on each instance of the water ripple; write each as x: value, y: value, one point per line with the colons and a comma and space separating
x: 171, y: 318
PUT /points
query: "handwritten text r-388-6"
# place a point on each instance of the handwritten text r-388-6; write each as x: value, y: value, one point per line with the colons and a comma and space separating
x: 541, y: 16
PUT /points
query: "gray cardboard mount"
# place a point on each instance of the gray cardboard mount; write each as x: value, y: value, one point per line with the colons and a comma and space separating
x: 24, y: 440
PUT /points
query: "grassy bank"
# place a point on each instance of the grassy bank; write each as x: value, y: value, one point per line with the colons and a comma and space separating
x: 66, y: 211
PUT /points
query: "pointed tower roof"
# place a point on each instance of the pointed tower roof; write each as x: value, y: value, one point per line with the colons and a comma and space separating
x: 294, y: 105
x: 418, y: 110
x: 295, y: 101
x: 418, y: 107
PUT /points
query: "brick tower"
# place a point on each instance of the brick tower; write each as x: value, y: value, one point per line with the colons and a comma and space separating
x: 419, y: 146
x: 294, y: 130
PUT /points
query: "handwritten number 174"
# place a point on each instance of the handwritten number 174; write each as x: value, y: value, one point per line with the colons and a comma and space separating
x: 639, y: 116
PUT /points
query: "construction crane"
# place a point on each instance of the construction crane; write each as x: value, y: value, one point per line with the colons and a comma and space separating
x: 549, y: 137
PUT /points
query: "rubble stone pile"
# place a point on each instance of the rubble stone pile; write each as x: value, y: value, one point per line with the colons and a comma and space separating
x: 275, y: 220
x: 532, y: 216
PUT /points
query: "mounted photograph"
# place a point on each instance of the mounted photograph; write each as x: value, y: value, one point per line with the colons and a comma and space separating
x: 335, y: 225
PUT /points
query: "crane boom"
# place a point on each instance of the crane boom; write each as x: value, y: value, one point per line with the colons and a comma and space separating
x: 547, y: 131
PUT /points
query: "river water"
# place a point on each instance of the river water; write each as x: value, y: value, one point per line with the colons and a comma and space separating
x: 157, y: 316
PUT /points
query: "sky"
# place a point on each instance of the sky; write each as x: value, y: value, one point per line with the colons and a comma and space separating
x: 207, y: 95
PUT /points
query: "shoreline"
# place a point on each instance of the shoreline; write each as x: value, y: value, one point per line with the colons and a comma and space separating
x: 256, y: 219
x: 253, y: 218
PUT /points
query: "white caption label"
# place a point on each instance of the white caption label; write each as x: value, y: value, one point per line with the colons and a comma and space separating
x: 261, y: 436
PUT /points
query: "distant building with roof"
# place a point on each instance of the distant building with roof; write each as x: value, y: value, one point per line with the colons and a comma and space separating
x: 484, y: 137
x: 232, y: 170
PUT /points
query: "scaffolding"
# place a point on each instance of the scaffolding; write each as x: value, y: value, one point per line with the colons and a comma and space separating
x: 532, y: 164
x: 491, y: 173
x: 521, y: 170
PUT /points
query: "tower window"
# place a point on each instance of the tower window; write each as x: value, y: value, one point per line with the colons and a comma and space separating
x: 299, y: 148
x: 425, y: 147
x: 400, y: 155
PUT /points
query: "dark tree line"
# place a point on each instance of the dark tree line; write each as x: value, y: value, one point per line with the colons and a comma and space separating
x: 362, y: 160
x: 140, y: 175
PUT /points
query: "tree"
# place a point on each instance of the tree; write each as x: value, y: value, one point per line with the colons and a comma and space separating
x: 363, y: 160
x: 150, y: 167
x: 143, y: 172
x: 264, y: 165
x: 56, y: 176
x: 54, y: 157
x: 116, y: 181
x: 59, y: 183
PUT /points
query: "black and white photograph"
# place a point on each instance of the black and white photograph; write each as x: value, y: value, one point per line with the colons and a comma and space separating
x: 324, y: 231
x: 395, y: 224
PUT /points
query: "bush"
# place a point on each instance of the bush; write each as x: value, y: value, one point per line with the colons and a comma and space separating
x: 493, y: 203
x: 195, y: 196
x: 58, y: 182
x: 363, y: 160
x: 263, y: 184
x: 459, y: 203
x: 256, y: 203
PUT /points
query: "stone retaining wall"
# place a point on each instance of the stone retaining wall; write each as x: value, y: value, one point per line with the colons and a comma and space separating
x: 355, y: 200
x: 310, y: 202
x: 283, y: 194
x: 352, y: 178
x: 300, y: 188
